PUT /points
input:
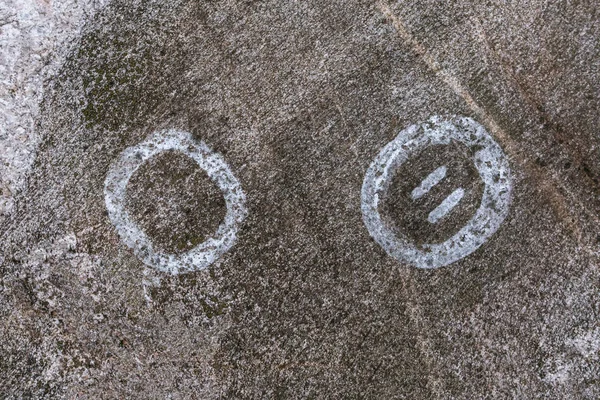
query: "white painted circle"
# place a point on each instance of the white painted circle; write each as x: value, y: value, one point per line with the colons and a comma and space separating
x: 493, y: 168
x: 204, y: 254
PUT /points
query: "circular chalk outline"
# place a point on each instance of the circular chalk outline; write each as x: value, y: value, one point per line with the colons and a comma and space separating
x: 207, y: 252
x: 493, y: 168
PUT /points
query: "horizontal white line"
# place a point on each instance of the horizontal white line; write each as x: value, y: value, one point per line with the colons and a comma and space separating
x: 446, y: 206
x: 432, y: 179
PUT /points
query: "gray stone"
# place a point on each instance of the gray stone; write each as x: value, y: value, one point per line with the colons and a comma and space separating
x: 299, y: 97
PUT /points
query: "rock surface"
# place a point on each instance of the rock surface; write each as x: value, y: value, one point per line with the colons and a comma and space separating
x: 299, y: 97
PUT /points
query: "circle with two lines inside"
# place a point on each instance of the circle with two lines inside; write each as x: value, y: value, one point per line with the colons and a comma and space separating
x: 485, y: 157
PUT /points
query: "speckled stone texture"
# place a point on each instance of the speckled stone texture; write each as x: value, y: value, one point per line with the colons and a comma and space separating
x: 35, y: 35
x: 299, y: 97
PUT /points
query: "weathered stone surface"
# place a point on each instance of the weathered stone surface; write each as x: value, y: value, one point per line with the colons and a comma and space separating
x: 299, y: 98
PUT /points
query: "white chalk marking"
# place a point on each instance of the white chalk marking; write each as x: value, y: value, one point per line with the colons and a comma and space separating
x: 428, y: 183
x: 493, y: 168
x: 206, y: 253
x: 446, y: 206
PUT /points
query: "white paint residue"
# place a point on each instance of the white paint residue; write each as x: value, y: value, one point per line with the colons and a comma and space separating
x: 446, y: 206
x: 206, y: 253
x: 31, y: 32
x: 493, y: 168
x: 428, y: 183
